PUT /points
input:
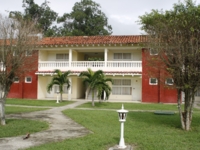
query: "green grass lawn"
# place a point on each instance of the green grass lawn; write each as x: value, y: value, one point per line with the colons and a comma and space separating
x: 131, y: 106
x: 29, y: 102
x: 16, y: 127
x: 145, y: 130
x: 18, y: 110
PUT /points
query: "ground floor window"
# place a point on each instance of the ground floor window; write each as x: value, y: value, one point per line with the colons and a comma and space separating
x: 153, y: 81
x: 122, y: 87
x: 56, y: 89
x: 197, y: 94
x: 28, y: 79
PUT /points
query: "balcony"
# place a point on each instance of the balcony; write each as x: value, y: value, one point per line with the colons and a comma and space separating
x: 94, y: 65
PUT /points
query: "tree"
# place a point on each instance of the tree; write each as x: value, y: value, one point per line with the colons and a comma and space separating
x: 60, y: 79
x: 175, y: 34
x: 43, y: 15
x: 85, y: 19
x: 18, y: 38
x: 96, y: 81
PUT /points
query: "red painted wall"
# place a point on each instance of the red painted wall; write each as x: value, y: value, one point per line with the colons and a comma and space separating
x: 160, y: 93
x: 26, y: 90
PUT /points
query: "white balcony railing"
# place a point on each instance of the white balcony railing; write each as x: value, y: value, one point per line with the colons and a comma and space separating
x: 94, y: 65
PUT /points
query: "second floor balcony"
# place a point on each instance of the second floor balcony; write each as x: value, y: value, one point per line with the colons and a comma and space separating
x: 94, y: 65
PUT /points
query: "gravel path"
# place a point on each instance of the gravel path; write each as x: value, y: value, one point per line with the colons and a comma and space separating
x: 60, y: 127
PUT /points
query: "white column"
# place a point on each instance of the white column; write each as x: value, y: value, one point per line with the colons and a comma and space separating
x: 104, y: 95
x: 70, y: 89
x: 121, y: 142
x: 70, y: 57
x: 105, y: 56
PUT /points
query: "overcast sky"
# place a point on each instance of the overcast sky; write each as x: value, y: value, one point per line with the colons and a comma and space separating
x: 122, y: 14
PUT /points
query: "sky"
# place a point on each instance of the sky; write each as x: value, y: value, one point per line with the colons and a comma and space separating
x: 122, y: 14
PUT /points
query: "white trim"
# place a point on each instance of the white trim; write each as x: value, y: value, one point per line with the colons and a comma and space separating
x: 169, y: 83
x: 27, y: 78
x: 17, y: 80
x: 150, y: 81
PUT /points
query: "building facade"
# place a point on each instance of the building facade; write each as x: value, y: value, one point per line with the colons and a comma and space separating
x: 121, y: 58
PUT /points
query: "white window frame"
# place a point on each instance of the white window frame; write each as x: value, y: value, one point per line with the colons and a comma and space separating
x: 65, y: 57
x: 27, y: 78
x: 169, y: 83
x: 122, y: 56
x: 153, y: 53
x: 16, y: 81
x: 150, y: 81
x: 197, y: 94
x: 121, y: 86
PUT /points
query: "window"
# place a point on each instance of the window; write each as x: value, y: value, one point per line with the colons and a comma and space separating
x: 15, y: 53
x: 197, y: 94
x: 169, y: 81
x: 61, y: 57
x: 56, y: 88
x: 16, y: 80
x: 153, y: 81
x: 122, y: 56
x: 28, y: 79
x: 153, y: 51
x: 28, y: 53
x: 122, y: 87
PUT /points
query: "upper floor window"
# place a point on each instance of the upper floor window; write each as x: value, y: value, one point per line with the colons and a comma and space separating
x: 28, y: 79
x: 15, y: 53
x: 16, y: 79
x: 153, y: 51
x: 62, y: 57
x: 169, y: 81
x: 122, y: 56
x: 153, y: 81
x: 28, y: 53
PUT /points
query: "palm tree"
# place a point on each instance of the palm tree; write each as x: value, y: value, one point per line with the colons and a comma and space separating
x: 96, y: 81
x: 60, y: 79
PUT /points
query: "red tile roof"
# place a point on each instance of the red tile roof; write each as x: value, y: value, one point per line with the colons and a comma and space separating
x: 93, y: 40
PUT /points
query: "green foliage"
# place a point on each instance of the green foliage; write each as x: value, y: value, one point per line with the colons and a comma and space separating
x: 60, y: 79
x: 85, y: 19
x: 96, y: 81
x: 176, y: 35
x: 43, y: 14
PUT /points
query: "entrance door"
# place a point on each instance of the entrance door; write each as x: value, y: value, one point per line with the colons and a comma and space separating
x: 136, y: 89
x: 51, y: 93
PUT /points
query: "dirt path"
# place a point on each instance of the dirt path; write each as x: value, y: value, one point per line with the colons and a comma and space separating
x: 60, y: 127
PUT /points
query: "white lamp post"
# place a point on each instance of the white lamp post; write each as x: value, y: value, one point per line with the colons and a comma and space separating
x: 122, y: 118
x: 57, y: 96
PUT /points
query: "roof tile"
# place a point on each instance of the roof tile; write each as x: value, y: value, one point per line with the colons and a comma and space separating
x: 93, y: 40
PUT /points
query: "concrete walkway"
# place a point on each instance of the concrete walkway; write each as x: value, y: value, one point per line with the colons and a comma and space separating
x: 60, y: 127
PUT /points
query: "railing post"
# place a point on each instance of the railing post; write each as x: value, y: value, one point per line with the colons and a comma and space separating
x: 105, y: 57
x: 70, y: 57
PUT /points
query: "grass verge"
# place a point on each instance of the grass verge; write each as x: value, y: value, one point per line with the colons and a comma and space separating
x: 18, y: 110
x: 16, y: 127
x: 29, y: 102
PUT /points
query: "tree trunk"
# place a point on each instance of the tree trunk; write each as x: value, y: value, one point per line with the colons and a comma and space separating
x: 2, y: 111
x: 61, y: 98
x: 186, y: 115
x: 93, y: 97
